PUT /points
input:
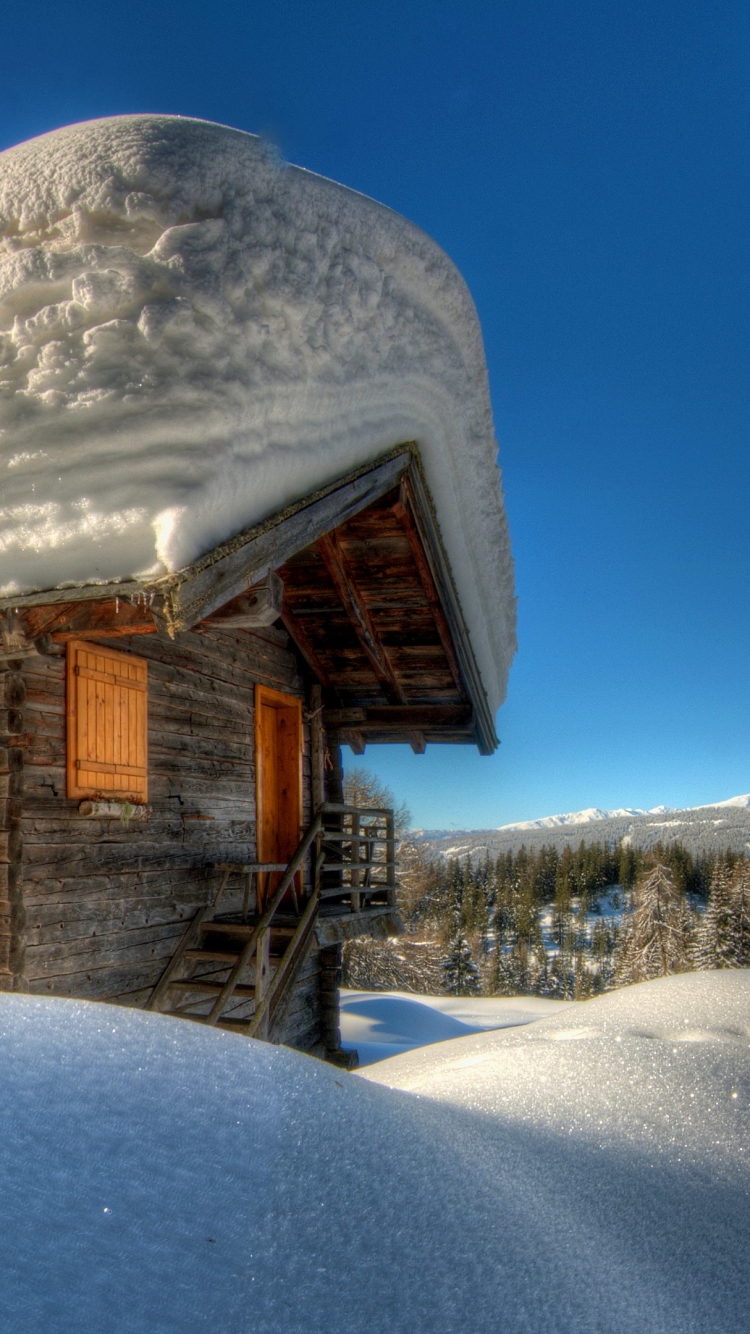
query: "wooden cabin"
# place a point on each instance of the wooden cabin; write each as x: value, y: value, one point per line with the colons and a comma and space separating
x: 173, y: 832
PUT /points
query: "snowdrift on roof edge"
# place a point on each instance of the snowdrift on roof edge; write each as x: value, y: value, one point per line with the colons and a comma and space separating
x: 193, y: 336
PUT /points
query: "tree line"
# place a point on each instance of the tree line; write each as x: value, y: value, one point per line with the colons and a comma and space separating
x: 564, y: 924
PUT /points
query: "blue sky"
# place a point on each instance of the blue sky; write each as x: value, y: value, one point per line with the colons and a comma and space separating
x: 586, y: 166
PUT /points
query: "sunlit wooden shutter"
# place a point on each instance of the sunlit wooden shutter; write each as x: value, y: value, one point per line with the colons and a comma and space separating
x: 107, y: 724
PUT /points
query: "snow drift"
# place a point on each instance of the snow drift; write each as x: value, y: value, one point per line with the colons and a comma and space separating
x: 588, y: 1172
x: 193, y: 336
x: 378, y: 1024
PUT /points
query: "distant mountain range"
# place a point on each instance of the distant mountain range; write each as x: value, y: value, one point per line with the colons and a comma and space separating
x: 725, y: 824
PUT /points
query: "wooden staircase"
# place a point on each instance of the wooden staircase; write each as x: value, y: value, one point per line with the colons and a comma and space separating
x: 234, y: 969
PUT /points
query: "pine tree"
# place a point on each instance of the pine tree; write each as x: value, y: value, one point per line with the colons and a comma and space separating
x: 628, y: 866
x: 460, y: 973
x: 716, y: 942
x: 741, y: 904
x: 717, y: 938
x: 654, y: 939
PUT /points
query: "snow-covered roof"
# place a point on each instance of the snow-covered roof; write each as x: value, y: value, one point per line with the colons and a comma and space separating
x: 193, y: 336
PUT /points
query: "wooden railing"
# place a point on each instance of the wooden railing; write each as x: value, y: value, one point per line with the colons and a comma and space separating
x: 356, y: 856
x: 352, y: 864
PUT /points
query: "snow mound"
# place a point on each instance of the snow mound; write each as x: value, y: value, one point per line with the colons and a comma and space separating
x: 159, y: 1177
x: 641, y: 1064
x: 382, y: 1024
x: 193, y: 336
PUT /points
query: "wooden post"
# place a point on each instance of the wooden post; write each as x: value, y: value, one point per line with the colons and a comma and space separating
x: 262, y: 979
x: 334, y: 780
x: 330, y: 980
x: 390, y: 857
x: 356, y: 897
x: 317, y: 747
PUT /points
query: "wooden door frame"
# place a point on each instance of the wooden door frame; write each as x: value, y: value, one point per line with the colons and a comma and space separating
x: 267, y: 693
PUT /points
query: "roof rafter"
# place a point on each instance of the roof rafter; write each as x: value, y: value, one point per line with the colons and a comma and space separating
x: 336, y: 563
x: 403, y: 511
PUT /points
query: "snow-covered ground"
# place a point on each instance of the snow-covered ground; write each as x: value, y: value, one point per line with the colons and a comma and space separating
x: 383, y: 1024
x: 585, y: 1174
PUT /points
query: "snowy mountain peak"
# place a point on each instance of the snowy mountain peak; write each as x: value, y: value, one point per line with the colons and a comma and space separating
x: 731, y: 801
x: 593, y: 813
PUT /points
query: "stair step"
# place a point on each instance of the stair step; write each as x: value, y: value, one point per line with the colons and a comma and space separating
x: 211, y: 988
x: 203, y: 1019
x: 214, y: 956
x: 221, y: 956
x: 242, y: 929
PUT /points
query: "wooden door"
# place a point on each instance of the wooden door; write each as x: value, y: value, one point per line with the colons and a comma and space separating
x: 278, y: 774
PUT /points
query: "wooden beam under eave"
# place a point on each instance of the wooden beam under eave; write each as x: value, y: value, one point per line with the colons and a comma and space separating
x: 483, y: 725
x: 303, y: 642
x: 110, y: 618
x: 335, y: 561
x: 354, y: 740
x: 402, y: 510
x: 403, y: 718
x: 417, y: 742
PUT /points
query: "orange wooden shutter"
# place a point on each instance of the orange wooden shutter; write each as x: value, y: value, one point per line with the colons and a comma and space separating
x: 107, y: 723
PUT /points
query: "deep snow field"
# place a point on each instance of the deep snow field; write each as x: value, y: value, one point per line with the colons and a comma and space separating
x: 585, y: 1173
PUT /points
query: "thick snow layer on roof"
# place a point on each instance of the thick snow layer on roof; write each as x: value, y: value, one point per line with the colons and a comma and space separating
x: 588, y: 1172
x: 193, y: 336
x: 380, y: 1024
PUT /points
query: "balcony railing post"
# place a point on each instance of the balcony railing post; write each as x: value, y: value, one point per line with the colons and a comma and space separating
x: 390, y: 857
x: 356, y: 897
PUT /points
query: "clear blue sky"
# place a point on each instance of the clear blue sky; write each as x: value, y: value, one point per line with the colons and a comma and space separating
x: 586, y: 166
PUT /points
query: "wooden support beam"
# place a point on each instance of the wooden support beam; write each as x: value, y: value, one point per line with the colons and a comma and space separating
x: 85, y: 593
x: 259, y: 606
x: 332, y: 552
x: 420, y: 504
x: 406, y: 718
x: 317, y: 747
x: 305, y: 645
x: 417, y: 742
x: 354, y: 740
x: 99, y: 618
x: 403, y: 511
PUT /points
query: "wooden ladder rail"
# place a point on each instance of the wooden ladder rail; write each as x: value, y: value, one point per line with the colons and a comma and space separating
x: 190, y: 935
x: 287, y: 964
x: 249, y: 947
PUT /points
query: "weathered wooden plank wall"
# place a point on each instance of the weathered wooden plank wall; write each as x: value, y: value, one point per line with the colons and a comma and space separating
x: 12, y: 919
x: 107, y: 903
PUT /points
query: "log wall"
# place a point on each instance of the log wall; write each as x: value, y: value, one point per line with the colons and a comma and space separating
x: 106, y: 903
x: 12, y: 917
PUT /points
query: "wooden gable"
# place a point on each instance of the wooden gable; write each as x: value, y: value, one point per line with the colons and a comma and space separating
x: 361, y: 578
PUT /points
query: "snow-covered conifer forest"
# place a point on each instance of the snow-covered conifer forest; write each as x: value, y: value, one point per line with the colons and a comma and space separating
x: 566, y: 923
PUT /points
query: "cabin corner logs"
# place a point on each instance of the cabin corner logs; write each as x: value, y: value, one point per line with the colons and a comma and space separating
x: 12, y: 916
